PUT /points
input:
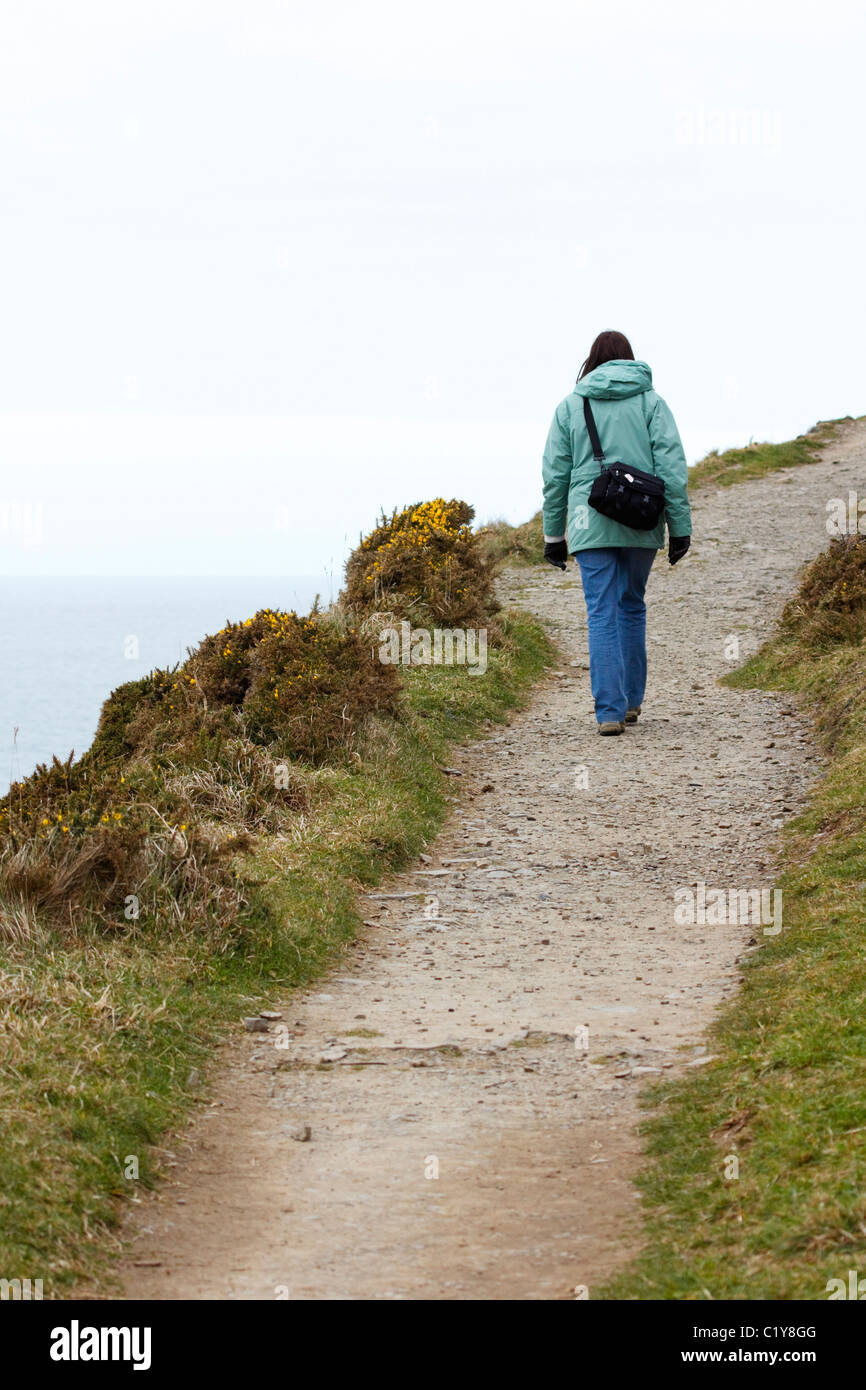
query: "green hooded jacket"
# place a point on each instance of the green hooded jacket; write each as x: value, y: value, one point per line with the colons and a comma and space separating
x: 635, y: 426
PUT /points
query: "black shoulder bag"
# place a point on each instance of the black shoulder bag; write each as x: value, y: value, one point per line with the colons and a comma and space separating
x: 627, y: 495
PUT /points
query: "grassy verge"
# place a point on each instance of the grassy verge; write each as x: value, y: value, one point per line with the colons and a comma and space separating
x: 786, y: 1095
x: 756, y: 460
x: 107, y: 1034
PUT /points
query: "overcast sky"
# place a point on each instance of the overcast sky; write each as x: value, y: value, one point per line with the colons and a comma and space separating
x: 269, y: 267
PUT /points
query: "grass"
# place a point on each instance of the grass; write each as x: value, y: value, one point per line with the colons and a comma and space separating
x: 514, y: 545
x: 107, y: 1034
x: 786, y: 1095
x: 756, y: 460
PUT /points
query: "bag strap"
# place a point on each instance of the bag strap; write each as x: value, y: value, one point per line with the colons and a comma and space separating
x: 597, y: 451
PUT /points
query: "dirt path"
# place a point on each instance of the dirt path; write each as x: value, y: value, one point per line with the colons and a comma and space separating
x: 456, y: 1040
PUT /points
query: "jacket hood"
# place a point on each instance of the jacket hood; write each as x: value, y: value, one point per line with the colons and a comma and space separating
x: 615, y: 380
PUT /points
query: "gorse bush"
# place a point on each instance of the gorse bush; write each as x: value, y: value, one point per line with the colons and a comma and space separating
x: 145, y: 715
x: 303, y: 686
x: 312, y: 686
x: 830, y: 607
x: 186, y: 766
x: 426, y: 564
x: 152, y: 824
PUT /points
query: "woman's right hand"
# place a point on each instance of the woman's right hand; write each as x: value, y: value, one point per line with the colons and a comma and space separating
x: 556, y: 553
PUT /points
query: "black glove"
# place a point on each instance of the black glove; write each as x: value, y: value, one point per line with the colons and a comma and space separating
x: 556, y: 553
x: 677, y: 547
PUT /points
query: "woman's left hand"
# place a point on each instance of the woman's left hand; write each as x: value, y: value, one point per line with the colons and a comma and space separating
x: 677, y: 547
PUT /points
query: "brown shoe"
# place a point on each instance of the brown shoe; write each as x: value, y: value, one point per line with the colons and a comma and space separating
x: 632, y: 714
x: 612, y: 728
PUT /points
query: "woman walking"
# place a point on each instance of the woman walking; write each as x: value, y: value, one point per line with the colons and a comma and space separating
x: 634, y: 436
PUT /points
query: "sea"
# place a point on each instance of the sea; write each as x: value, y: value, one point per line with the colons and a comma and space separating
x: 67, y: 642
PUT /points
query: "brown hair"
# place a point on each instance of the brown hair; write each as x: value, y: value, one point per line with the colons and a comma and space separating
x: 608, y: 346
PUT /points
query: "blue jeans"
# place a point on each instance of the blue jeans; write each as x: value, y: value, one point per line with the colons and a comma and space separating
x: 614, y: 581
